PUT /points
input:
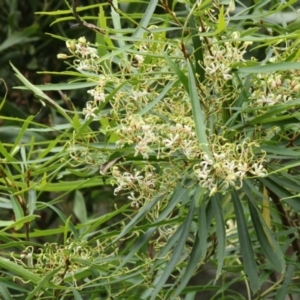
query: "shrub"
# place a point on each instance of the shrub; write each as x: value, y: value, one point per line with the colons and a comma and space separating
x: 200, y: 136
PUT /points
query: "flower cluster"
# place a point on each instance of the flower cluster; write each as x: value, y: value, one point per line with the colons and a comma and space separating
x: 53, y: 256
x: 231, y: 163
x: 222, y: 56
x: 137, y: 132
x: 158, y: 126
x: 64, y: 262
x: 86, y: 56
x: 182, y: 139
x: 271, y: 89
x: 142, y: 184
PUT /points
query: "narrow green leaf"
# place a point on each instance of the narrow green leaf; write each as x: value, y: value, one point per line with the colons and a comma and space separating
x: 276, y: 120
x: 273, y: 111
x: 198, y: 51
x: 199, y: 195
x: 142, y: 212
x: 137, y: 246
x: 181, y: 76
x: 21, y: 133
x: 18, y: 210
x: 42, y: 96
x: 65, y: 221
x: 204, y: 221
x: 245, y: 244
x: 266, y: 240
x: 198, y: 114
x: 76, y: 294
x: 199, y: 249
x: 101, y: 40
x: 221, y: 235
x: 80, y: 207
x: 5, y: 154
x: 66, y: 229
x: 6, y: 223
x: 91, y: 225
x: 160, y: 280
x: 4, y: 292
x: 43, y: 283
x: 19, y: 270
x: 158, y: 98
x: 171, y: 244
x: 116, y: 19
x: 281, y: 151
x: 19, y: 38
x: 177, y: 196
x: 289, y: 181
x: 61, y: 186
x: 19, y: 223
x: 273, y: 67
x: 31, y: 202
x: 191, y: 267
x: 284, y: 290
x: 145, y: 19
x: 291, y: 164
x: 221, y: 24
x: 61, y: 86
x: 281, y: 192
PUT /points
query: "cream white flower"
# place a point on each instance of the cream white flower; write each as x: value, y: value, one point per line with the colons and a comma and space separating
x: 89, y: 111
x: 172, y: 139
x: 258, y: 170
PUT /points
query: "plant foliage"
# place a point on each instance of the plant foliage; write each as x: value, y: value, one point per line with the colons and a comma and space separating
x: 197, y: 133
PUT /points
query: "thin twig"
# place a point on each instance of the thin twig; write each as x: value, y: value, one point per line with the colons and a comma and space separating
x: 169, y: 11
x: 83, y: 23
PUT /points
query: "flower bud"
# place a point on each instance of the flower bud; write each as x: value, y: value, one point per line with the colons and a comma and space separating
x: 62, y: 56
x: 296, y: 87
x: 71, y: 45
x: 82, y: 40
